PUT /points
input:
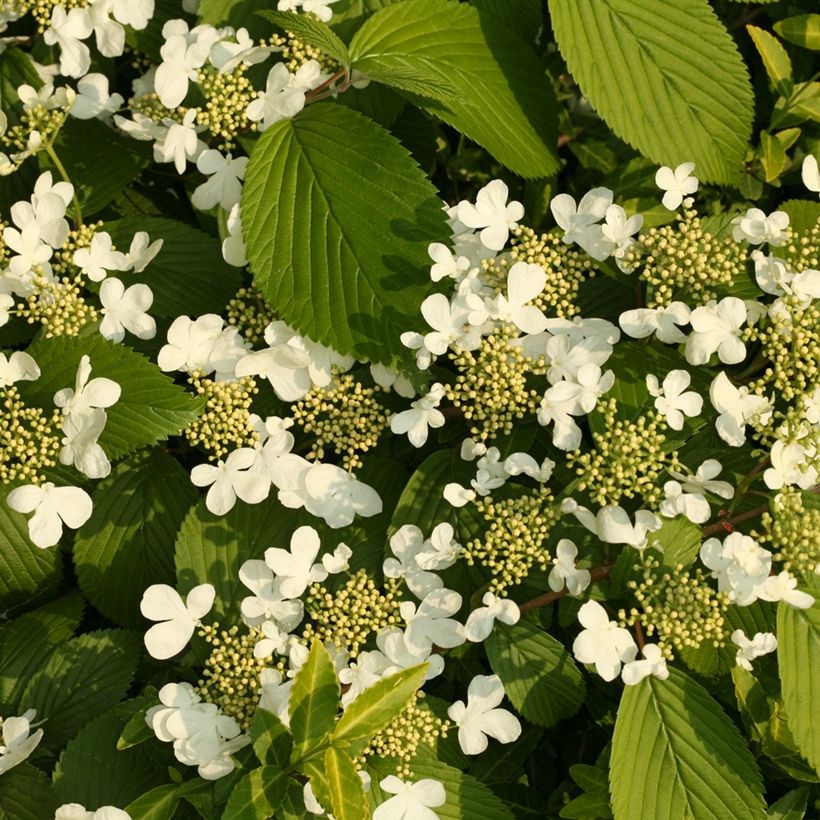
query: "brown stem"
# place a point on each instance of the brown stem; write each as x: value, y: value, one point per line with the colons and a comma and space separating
x: 314, y: 92
x: 639, y: 635
x: 596, y: 574
x: 727, y: 524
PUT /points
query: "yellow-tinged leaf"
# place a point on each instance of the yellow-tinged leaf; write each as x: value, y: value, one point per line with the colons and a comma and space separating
x: 775, y: 58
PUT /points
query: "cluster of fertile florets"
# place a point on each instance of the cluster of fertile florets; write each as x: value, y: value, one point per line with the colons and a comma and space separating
x: 29, y: 440
x: 628, y: 459
x: 345, y: 417
x: 515, y: 540
x: 225, y: 424
x: 491, y: 388
x: 59, y: 305
x: 678, y: 605
x: 250, y: 313
x: 227, y: 96
x: 685, y: 261
x: 802, y: 250
x: 230, y: 678
x: 401, y: 739
x: 792, y: 530
x: 295, y: 53
x: 353, y: 614
x: 46, y: 121
x: 566, y: 266
x: 42, y: 10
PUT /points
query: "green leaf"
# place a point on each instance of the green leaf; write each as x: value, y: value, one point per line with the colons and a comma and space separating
x: 82, y: 678
x: 802, y: 30
x: 798, y: 656
x: 314, y: 700
x: 803, y: 214
x: 376, y: 707
x: 150, y: 408
x: 442, y: 45
x: 271, y: 740
x: 215, y: 12
x: 792, y: 806
x: 26, y: 794
x: 16, y: 69
x: 27, y: 573
x: 347, y: 795
x: 312, y: 31
x: 123, y: 548
x: 676, y: 754
x: 775, y: 58
x: 666, y: 77
x: 594, y: 802
x: 158, y: 804
x: 337, y: 218
x: 137, y: 730
x: 540, y: 677
x: 678, y: 539
x: 774, y: 156
x: 257, y: 795
x: 189, y: 258
x: 26, y: 641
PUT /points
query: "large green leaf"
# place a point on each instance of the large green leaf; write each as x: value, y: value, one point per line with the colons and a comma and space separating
x: 337, y: 217
x: 26, y: 794
x: 798, y: 656
x: 257, y: 795
x: 82, y: 678
x: 150, y: 408
x: 500, y: 97
x: 539, y: 675
x: 127, y: 544
x: 314, y: 700
x: 188, y: 275
x: 347, y: 796
x: 27, y: 573
x: 676, y: 754
x: 311, y: 31
x: 666, y: 77
x: 271, y: 741
x: 802, y: 29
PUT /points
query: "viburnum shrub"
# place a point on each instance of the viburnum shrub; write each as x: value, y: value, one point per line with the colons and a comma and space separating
x: 410, y: 409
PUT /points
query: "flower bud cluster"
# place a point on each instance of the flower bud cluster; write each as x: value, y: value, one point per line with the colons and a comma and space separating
x: 792, y: 531
x: 59, y: 305
x: 250, y: 313
x: 227, y: 96
x: 29, y: 440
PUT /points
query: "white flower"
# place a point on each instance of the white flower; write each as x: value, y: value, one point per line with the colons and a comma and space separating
x: 737, y: 407
x: 142, y: 251
x: 31, y: 253
x: 653, y: 663
x: 267, y: 602
x: 430, y: 625
x: 518, y: 463
x: 564, y: 570
x: 412, y: 801
x: 480, y: 718
x: 791, y: 465
x: 677, y: 184
x: 441, y: 550
x: 93, y: 98
x: 446, y: 263
x: 67, y: 30
x: 749, y: 649
x: 177, y: 620
x: 321, y: 8
x: 756, y: 228
x: 226, y: 56
x: 231, y: 479
x: 126, y: 310
x: 620, y: 231
x: 524, y: 283
x: 52, y: 507
x: 602, y: 642
x: 134, y: 13
x: 612, y: 523
x: 80, y: 446
x: 810, y: 173
x: 100, y: 257
x: 233, y: 246
x: 183, y: 53
x: 670, y: 399
x: 180, y: 142
x: 282, y: 98
x: 19, y: 366
x: 225, y: 184
x: 392, y: 643
x: 294, y: 568
x: 423, y: 415
x: 76, y: 811
x: 716, y: 328
x: 663, y: 321
x: 406, y: 544
x: 18, y: 739
x: 480, y: 621
x: 368, y: 668
x: 739, y: 564
x: 205, y: 344
x: 492, y: 214
x: 6, y: 304
x: 703, y: 480
x: 580, y: 224
x: 109, y: 33
x: 580, y: 396
x: 783, y: 587
x: 87, y: 395
x: 274, y: 640
x: 386, y: 378
x: 692, y: 505
x: 450, y: 324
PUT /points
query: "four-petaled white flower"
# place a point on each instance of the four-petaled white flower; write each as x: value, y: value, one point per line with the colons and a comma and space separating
x: 750, y: 648
x: 180, y: 142
x: 480, y: 718
x: 125, y: 309
x: 430, y: 623
x: 231, y: 479
x: 18, y: 739
x: 756, y: 227
x: 441, y: 550
x: 492, y: 214
x: 76, y: 811
x: 177, y: 620
x: 677, y: 184
x: 224, y: 186
x: 412, y: 801
x: 664, y: 321
x: 67, y: 30
x: 602, y: 642
x: 612, y: 523
x: 653, y: 663
x: 406, y: 544
x: 295, y: 568
x: 783, y: 587
x: 422, y: 415
x: 693, y: 506
x: 737, y: 407
x: 580, y: 222
x: 525, y: 281
x: 93, y: 98
x: 670, y: 399
x: 480, y: 621
x: 52, y: 507
x: 19, y: 366
x: 99, y: 257
x: 579, y: 397
x: 739, y: 564
x: 446, y: 263
x: 564, y: 570
x: 716, y: 329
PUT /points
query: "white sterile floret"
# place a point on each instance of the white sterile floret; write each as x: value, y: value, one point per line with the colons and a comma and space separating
x: 652, y: 663
x: 564, y: 572
x: 739, y: 564
x: 19, y: 366
x: 450, y: 323
x: 525, y: 281
x: 613, y: 525
x: 579, y: 397
x: 180, y: 142
x: 774, y: 276
x: 751, y: 648
x: 224, y: 186
x: 177, y: 620
x: 716, y: 329
x: 295, y: 568
x: 602, y: 642
x: 422, y: 415
x: 480, y: 621
x: 703, y: 481
x: 18, y: 739
x: 693, y: 506
x: 412, y: 801
x: 51, y: 507
x: 672, y: 400
x: 446, y: 263
x: 367, y: 669
x: 183, y: 53
x: 231, y: 479
x: 76, y: 811
x: 755, y: 227
x: 68, y: 30
x: 205, y: 344
x: 491, y: 214
x: 46, y: 209
x: 99, y: 257
x: 430, y: 624
x: 524, y: 463
x: 620, y: 230
x: 80, y: 446
x: 226, y: 55
x: 563, y: 356
x: 737, y: 407
x: 810, y: 173
x: 580, y: 223
x: 134, y: 13
x: 233, y: 245
x: 783, y: 587
x: 664, y: 321
x: 677, y: 184
x: 30, y: 254
x: 406, y: 544
x: 125, y: 309
x: 267, y: 602
x: 284, y: 94
x: 441, y: 550
x: 93, y: 98
x: 792, y: 465
x: 392, y: 643
x: 386, y: 378
x: 481, y: 718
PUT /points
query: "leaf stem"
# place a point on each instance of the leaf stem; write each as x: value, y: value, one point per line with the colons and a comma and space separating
x: 78, y: 214
x: 597, y: 574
